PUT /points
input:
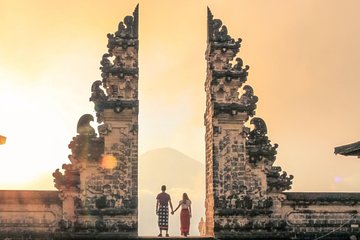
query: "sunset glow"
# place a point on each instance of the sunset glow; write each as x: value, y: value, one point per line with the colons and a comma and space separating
x: 108, y: 162
x: 304, y: 57
x: 2, y: 140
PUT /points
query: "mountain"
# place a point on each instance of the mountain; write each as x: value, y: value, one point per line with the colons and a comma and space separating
x: 167, y: 166
x: 180, y: 173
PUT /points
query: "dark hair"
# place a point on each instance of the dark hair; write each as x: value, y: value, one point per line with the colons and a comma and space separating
x: 185, y: 197
x: 163, y: 188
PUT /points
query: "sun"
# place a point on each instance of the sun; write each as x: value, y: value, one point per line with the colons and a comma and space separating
x: 33, y: 134
x: 108, y: 162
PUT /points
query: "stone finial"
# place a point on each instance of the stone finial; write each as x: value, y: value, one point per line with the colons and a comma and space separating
x: 129, y: 27
x: 119, y: 70
x: 219, y: 37
x: 84, y: 127
x: 127, y: 32
x: 97, y: 94
x: 258, y: 144
x: 70, y: 178
x: 278, y: 180
x: 217, y: 32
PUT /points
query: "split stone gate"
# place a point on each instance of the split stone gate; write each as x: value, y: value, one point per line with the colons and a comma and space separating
x: 97, y: 193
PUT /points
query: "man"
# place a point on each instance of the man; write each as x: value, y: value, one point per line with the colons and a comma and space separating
x: 162, y: 210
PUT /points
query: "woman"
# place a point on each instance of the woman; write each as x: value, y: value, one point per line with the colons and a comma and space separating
x: 185, y: 214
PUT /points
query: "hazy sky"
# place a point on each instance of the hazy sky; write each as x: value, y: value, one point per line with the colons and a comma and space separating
x: 304, y: 58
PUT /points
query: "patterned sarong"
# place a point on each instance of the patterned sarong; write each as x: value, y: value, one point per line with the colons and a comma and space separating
x: 163, y: 217
x: 184, y: 221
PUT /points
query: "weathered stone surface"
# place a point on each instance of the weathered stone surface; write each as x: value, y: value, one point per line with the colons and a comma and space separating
x: 29, y: 213
x: 98, y: 188
x: 245, y: 196
x: 352, y: 149
x: 104, y: 194
x: 235, y: 185
x: 120, y: 71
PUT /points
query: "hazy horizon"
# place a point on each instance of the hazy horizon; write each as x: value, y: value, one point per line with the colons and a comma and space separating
x: 303, y: 57
x: 170, y: 163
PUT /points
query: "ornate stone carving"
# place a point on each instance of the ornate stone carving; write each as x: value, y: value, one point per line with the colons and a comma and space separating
x: 97, y: 94
x: 126, y: 29
x: 239, y: 66
x: 277, y: 180
x: 226, y: 80
x: 242, y: 186
x: 227, y: 99
x: 104, y: 129
x: 218, y: 35
x: 83, y: 127
x: 245, y: 198
x: 110, y: 178
x: 258, y: 144
x: 86, y: 146
x: 70, y: 179
x: 119, y: 70
x: 228, y: 76
x: 127, y: 32
x: 248, y: 98
x: 106, y: 65
x: 110, y: 191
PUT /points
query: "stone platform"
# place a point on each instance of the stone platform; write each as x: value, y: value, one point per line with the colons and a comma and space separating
x: 110, y: 236
x: 89, y: 236
x: 178, y: 237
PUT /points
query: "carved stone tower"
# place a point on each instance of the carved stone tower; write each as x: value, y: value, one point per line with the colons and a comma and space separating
x: 100, y: 187
x: 238, y: 162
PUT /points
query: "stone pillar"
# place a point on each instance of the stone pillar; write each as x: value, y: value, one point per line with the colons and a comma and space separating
x: 225, y: 116
x: 68, y: 205
x: 240, y: 179
x: 100, y: 187
x: 113, y: 184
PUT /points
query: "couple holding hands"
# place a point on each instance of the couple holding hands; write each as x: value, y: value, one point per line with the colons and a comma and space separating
x: 162, y: 210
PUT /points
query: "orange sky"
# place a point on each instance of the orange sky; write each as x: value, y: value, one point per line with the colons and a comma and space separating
x: 304, y: 57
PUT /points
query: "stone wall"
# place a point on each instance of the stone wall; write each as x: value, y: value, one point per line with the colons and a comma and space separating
x: 29, y: 214
x: 315, y: 214
x: 295, y: 216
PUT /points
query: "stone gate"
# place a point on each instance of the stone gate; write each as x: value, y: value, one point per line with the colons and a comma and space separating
x: 100, y: 187
x: 97, y: 193
x: 245, y: 196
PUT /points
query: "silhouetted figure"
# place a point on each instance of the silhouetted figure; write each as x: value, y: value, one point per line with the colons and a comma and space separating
x: 162, y: 210
x: 202, y: 227
x: 185, y: 214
